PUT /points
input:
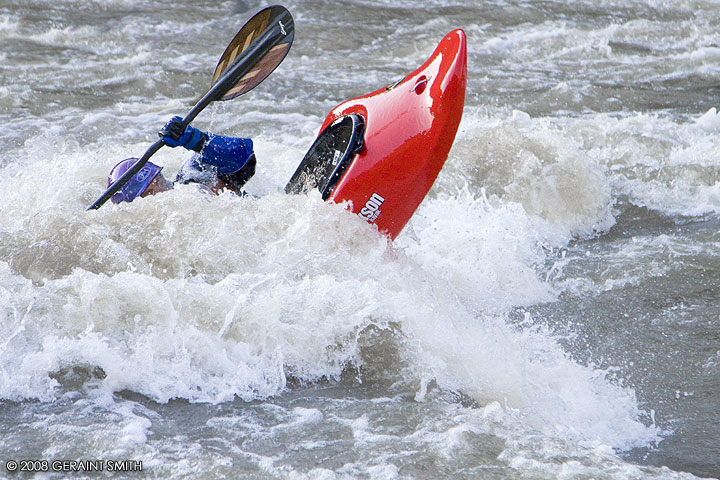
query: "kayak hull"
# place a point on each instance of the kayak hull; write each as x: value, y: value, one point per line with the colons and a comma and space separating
x: 409, y: 128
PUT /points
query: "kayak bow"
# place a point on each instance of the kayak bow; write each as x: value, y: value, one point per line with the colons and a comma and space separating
x: 382, y: 152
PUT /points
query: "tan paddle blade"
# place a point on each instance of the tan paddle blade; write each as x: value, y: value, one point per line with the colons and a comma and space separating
x: 273, y: 21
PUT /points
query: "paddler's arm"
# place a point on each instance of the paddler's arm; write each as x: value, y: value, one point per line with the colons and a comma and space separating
x: 228, y: 154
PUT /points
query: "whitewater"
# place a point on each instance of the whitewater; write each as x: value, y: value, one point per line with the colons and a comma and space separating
x: 551, y: 310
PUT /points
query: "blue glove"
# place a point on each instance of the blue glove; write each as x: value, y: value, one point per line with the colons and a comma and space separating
x: 174, y: 136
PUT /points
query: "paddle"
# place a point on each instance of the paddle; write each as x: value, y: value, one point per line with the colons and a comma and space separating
x: 257, y: 49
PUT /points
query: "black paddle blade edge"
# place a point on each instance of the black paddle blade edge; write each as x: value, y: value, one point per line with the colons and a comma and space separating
x: 263, y: 42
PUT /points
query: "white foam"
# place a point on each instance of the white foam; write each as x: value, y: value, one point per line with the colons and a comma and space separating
x: 534, y: 163
x: 209, y: 298
x: 664, y: 164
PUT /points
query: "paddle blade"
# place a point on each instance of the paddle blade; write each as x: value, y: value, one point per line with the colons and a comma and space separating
x: 275, y: 22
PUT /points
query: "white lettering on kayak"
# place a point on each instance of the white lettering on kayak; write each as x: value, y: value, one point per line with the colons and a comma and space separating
x: 371, y: 210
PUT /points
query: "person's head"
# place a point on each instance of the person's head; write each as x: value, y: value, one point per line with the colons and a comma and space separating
x: 147, y: 181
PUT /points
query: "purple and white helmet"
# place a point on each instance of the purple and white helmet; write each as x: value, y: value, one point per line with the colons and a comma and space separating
x: 137, y: 184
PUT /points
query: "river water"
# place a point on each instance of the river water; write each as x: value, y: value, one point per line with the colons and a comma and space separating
x: 551, y: 311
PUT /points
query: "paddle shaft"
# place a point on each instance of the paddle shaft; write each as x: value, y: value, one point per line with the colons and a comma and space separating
x: 244, y: 63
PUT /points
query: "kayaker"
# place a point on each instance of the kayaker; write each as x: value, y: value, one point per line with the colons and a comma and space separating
x: 220, y: 163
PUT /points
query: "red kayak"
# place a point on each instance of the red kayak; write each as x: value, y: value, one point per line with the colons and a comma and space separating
x: 382, y: 152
